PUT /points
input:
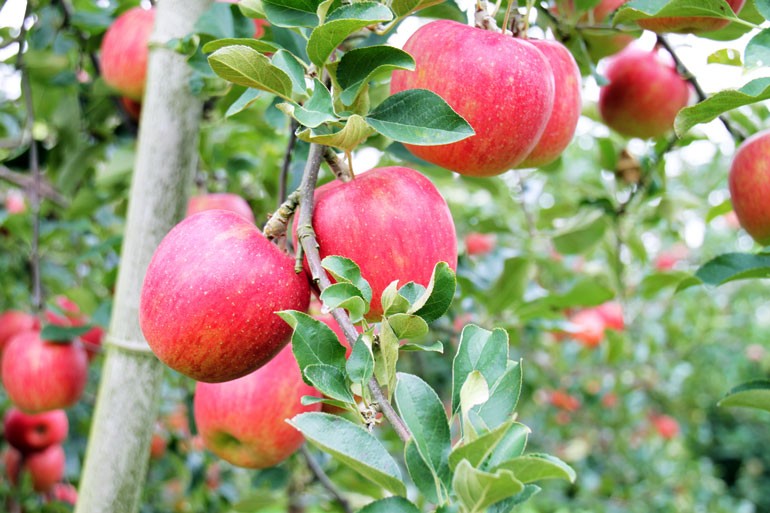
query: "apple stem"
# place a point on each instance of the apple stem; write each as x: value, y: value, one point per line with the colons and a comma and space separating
x: 309, y: 244
x: 737, y: 135
x: 322, y: 478
x: 341, y: 170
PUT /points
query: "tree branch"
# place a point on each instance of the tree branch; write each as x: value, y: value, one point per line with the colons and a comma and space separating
x: 322, y: 478
x: 284, y: 178
x: 27, y: 182
x: 308, y: 241
x: 338, y: 167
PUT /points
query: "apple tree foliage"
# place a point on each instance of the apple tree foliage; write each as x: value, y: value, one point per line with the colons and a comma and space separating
x: 588, y: 229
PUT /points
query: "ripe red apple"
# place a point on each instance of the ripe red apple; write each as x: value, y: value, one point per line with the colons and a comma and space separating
x: 244, y: 421
x: 566, y: 106
x: 564, y: 401
x: 391, y: 221
x: 210, y: 295
x: 502, y: 86
x: 612, y: 313
x: 158, y: 444
x: 479, y: 243
x: 40, y: 376
x: 46, y: 467
x: 133, y: 108
x: 689, y: 24
x: 69, y: 315
x: 749, y: 182
x: 644, y: 94
x: 64, y: 492
x: 14, y: 322
x: 589, y: 327
x: 30, y: 433
x: 125, y: 50
x: 223, y: 201
x: 666, y: 426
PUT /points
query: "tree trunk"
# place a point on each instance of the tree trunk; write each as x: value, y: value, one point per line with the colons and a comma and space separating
x: 127, y: 403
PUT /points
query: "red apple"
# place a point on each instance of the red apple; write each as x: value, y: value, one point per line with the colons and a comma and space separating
x: 64, y: 492
x: 244, y: 421
x: 564, y: 401
x: 589, y: 327
x: 14, y: 322
x: 223, y: 201
x: 210, y: 295
x: 749, y: 182
x: 391, y: 221
x: 158, y: 443
x: 612, y: 313
x: 69, y: 315
x: 666, y: 426
x: 133, y: 108
x: 45, y: 467
x: 40, y: 376
x: 667, y: 259
x: 502, y: 86
x: 125, y: 51
x: 479, y: 243
x: 644, y: 94
x: 30, y: 433
x: 566, y: 106
x: 689, y: 24
x: 15, y: 202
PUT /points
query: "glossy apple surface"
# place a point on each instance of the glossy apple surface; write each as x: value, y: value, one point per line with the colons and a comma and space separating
x: 223, y: 201
x: 29, y: 433
x: 391, y: 221
x: 46, y: 467
x: 502, y: 86
x: 124, y: 52
x: 210, y: 295
x: 244, y: 421
x: 749, y: 182
x: 690, y: 24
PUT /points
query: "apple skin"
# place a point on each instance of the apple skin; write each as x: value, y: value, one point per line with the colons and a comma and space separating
x: 590, y: 327
x: 41, y: 376
x: 666, y: 426
x: 124, y: 52
x: 14, y: 322
x: 30, y: 433
x: 64, y: 492
x: 749, y: 182
x: 46, y: 467
x: 71, y: 316
x: 502, y: 86
x: 644, y: 94
x: 132, y: 107
x: 210, y: 295
x: 689, y: 24
x: 223, y: 201
x: 566, y: 106
x: 479, y: 243
x: 391, y: 221
x: 244, y: 421
x: 15, y: 202
x: 612, y: 313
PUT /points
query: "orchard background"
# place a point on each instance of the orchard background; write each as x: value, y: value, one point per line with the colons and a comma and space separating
x: 646, y: 224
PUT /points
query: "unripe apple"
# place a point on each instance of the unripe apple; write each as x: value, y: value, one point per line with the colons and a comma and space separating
x: 749, y: 182
x: 46, y: 467
x: 589, y: 327
x: 644, y: 94
x: 690, y: 24
x: 223, y: 201
x: 391, y: 221
x: 244, y: 421
x: 566, y: 106
x: 125, y: 51
x: 479, y: 243
x: 612, y: 313
x: 30, y: 433
x: 14, y: 322
x: 502, y: 86
x: 64, y: 492
x: 39, y: 375
x: 210, y: 295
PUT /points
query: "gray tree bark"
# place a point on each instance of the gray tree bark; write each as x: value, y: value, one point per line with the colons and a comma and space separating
x: 128, y: 398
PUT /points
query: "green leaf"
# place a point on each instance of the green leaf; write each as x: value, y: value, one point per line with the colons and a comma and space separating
x: 714, y: 106
x: 295, y: 70
x: 412, y: 292
x: 719, y: 210
x: 510, y: 287
x: 345, y: 270
x: 316, y: 111
x: 329, y: 381
x: 754, y: 394
x: 477, y: 490
x: 390, y: 505
x: 726, y: 56
x: 407, y: 326
x: 437, y: 298
x: 313, y: 342
x: 644, y: 9
x: 392, y: 301
x: 508, y: 505
x: 475, y: 391
x: 406, y: 7
x: 340, y: 23
x: 245, y: 66
x: 361, y: 65
x: 352, y: 134
x: 420, y: 472
x: 763, y: 6
x: 503, y: 397
x: 482, y: 350
x: 360, y: 365
x: 419, y: 116
x: 734, y: 266
x: 581, y: 233
x: 654, y: 283
x: 353, y: 446
x: 511, y: 446
x: 434, y: 347
x: 224, y: 21
x: 478, y: 450
x: 534, y: 467
x: 291, y: 13
x: 386, y: 357
x: 246, y: 99
x: 347, y: 296
x: 758, y: 50
x: 255, y: 44
x: 54, y: 333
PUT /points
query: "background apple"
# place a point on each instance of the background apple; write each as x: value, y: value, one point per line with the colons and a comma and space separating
x: 690, y: 24
x: 68, y: 314
x: 14, y: 322
x: 612, y: 313
x: 644, y: 94
x: 45, y: 467
x: 28, y: 433
x: 210, y: 293
x: 749, y: 182
x: 599, y: 42
x: 506, y: 96
x: 666, y: 426
x: 391, y: 221
x: 15, y: 202
x: 125, y: 50
x: 244, y: 421
x: 479, y: 243
x: 64, y: 492
x: 223, y: 201
x: 589, y: 327
x: 40, y: 375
